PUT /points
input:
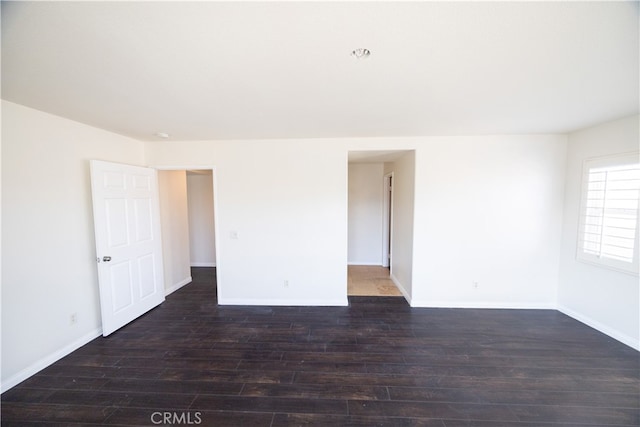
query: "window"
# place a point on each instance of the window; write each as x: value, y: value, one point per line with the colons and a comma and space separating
x: 608, y: 234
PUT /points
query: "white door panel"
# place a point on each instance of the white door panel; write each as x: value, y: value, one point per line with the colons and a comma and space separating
x: 116, y: 222
x: 143, y: 217
x: 121, y: 285
x: 128, y: 245
x: 146, y: 272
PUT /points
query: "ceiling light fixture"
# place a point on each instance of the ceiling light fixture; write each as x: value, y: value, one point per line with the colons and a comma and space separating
x: 162, y: 135
x: 361, y: 53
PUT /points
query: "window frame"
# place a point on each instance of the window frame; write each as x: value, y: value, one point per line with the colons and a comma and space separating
x: 606, y: 262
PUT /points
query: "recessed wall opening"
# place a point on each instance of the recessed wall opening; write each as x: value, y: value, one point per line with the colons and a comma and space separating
x: 371, y: 237
x: 202, y: 244
x: 187, y: 216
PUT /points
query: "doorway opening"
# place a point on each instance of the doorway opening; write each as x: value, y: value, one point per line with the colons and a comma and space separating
x: 370, y: 223
x: 202, y: 244
x: 189, y: 229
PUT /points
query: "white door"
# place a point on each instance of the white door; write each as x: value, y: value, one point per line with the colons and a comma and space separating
x: 126, y: 214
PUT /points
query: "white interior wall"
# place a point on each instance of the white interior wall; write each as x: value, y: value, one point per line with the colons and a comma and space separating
x: 281, y: 209
x: 365, y: 193
x: 172, y: 185
x: 402, y: 261
x: 201, y: 220
x: 49, y: 258
x: 488, y: 210
x: 607, y: 300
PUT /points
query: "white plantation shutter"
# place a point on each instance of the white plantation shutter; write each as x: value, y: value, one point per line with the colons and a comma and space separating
x: 608, y: 233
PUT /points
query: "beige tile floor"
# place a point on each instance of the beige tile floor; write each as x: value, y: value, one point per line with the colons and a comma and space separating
x: 367, y: 280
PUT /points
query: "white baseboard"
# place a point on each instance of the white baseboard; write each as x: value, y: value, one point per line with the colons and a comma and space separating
x: 178, y: 285
x: 505, y: 305
x: 395, y: 280
x: 375, y: 264
x: 48, y: 360
x: 203, y: 264
x: 598, y: 326
x: 283, y: 302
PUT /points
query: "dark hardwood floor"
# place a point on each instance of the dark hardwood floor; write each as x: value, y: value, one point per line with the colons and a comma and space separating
x: 375, y: 363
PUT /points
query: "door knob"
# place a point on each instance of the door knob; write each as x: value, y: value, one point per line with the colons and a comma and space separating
x: 106, y: 258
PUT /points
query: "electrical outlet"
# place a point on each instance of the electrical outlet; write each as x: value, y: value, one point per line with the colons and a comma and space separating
x: 286, y: 283
x: 475, y: 285
x: 73, y: 319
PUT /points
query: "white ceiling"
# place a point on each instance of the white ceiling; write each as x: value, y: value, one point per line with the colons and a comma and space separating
x: 239, y: 70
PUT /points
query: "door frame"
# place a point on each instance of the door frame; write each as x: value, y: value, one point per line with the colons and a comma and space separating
x: 387, y: 221
x: 216, y: 230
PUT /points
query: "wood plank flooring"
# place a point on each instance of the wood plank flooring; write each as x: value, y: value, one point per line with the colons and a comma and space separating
x: 377, y: 362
